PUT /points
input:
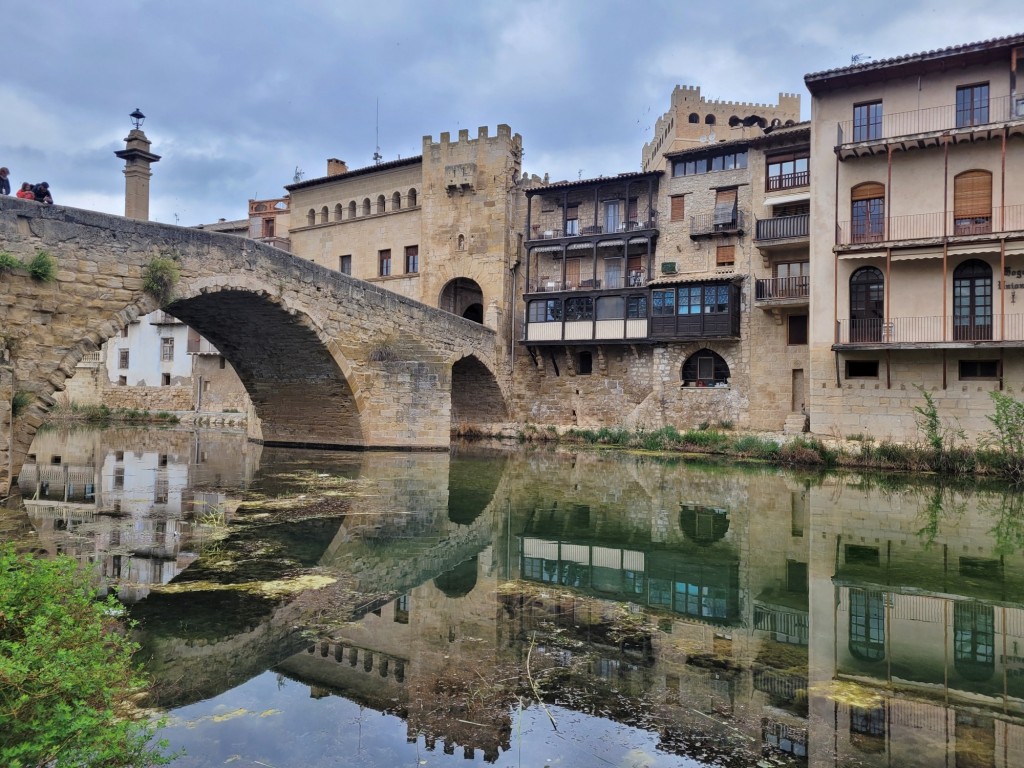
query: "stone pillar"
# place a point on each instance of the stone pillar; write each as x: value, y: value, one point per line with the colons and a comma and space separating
x: 137, y: 159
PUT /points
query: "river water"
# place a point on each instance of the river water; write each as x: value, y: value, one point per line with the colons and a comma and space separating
x: 527, y: 606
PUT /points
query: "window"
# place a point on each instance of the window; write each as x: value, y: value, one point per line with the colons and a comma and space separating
x: 867, y: 625
x: 311, y: 217
x: 579, y: 308
x: 979, y: 369
x: 862, y: 369
x: 572, y: 219
x: 402, y: 609
x: 122, y: 358
x: 610, y: 307
x: 694, y: 117
x: 725, y: 161
x: 972, y: 105
x: 796, y: 330
x: 396, y: 201
x: 412, y: 259
x: 380, y: 203
x: 725, y: 256
x: 165, y: 380
x: 972, y: 301
x: 787, y: 171
x: 118, y: 478
x: 636, y: 307
x: 973, y: 640
x: 867, y: 212
x: 461, y: 243
x: 412, y: 198
x: 867, y: 304
x: 585, y: 364
x: 366, y: 206
x: 867, y: 121
x: 352, y: 209
x: 725, y: 209
x: 161, y: 491
x: 972, y: 203
x: 545, y: 311
x: 345, y: 264
x: 705, y: 369
x: 339, y: 212
x: 384, y: 262
x: 323, y: 215
x: 677, y: 208
x: 122, y: 381
x: 167, y: 349
x: 612, y: 215
x: 268, y: 227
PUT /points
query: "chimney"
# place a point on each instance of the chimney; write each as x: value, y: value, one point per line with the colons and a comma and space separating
x: 336, y: 167
x: 137, y: 159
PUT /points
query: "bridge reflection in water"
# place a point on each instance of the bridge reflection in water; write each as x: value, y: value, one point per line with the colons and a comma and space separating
x: 675, y: 611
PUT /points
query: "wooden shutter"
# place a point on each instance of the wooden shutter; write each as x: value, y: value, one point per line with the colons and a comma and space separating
x: 869, y: 190
x: 678, y: 207
x: 725, y: 256
x: 972, y: 195
x: 725, y: 206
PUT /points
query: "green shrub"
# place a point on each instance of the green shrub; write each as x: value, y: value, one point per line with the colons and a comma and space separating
x: 42, y: 267
x: 160, y: 277
x: 20, y: 402
x: 66, y: 672
x: 1007, y: 437
x: 8, y: 263
x: 705, y: 438
x: 758, y: 447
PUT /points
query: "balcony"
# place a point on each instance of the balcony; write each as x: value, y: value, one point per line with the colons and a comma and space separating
x: 783, y: 228
x: 787, y: 181
x: 923, y: 127
x: 929, y: 226
x: 783, y: 291
x: 719, y: 223
x: 573, y: 229
x: 937, y: 331
x: 545, y: 284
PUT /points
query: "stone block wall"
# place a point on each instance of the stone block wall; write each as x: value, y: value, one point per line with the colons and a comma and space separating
x: 6, y: 397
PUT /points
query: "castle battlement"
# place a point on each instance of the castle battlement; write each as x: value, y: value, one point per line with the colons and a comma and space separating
x: 504, y: 134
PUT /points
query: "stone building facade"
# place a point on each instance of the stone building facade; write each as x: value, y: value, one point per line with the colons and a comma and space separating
x: 918, y: 238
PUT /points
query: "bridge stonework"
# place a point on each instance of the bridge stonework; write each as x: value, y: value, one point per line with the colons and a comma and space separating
x: 326, y: 359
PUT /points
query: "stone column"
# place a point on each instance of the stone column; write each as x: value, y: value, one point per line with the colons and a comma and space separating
x: 137, y: 159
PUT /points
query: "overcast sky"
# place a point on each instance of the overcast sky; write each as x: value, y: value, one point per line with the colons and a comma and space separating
x: 238, y: 94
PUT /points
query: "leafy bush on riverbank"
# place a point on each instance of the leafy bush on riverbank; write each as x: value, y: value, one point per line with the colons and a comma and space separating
x: 66, y: 674
x: 102, y: 414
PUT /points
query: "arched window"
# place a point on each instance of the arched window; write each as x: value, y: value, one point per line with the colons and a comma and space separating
x: 734, y: 121
x: 323, y: 215
x: 972, y: 203
x: 705, y: 368
x: 412, y: 198
x: 709, y: 120
x: 380, y: 203
x: 352, y: 209
x: 694, y: 117
x: 311, y: 217
x: 338, y: 209
x: 867, y: 625
x: 867, y: 212
x: 366, y: 206
x: 974, y: 640
x: 585, y: 364
x: 461, y: 243
x: 396, y: 201
x: 972, y: 301
x: 867, y: 304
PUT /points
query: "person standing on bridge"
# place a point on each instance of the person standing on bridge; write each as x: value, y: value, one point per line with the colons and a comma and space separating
x: 42, y: 193
x: 25, y: 193
x: 5, y: 184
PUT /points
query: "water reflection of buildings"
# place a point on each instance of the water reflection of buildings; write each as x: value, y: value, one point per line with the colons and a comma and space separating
x: 917, y: 607
x: 126, y: 498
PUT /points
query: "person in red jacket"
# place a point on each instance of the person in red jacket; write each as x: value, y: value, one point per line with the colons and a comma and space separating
x: 25, y: 193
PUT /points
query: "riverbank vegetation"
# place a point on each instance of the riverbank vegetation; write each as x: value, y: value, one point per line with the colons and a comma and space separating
x: 102, y: 415
x: 941, y: 447
x: 67, y: 682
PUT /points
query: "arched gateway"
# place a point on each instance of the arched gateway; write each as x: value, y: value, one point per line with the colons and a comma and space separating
x: 326, y: 359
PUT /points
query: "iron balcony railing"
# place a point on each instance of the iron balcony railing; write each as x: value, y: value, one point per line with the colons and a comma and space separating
x: 783, y: 288
x: 730, y: 220
x: 545, y: 284
x: 574, y: 228
x: 935, y: 329
x: 783, y: 227
x: 926, y: 226
x: 947, y: 117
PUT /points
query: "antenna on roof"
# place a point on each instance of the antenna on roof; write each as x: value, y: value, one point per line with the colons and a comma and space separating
x: 377, y: 156
x: 299, y: 173
x: 860, y: 58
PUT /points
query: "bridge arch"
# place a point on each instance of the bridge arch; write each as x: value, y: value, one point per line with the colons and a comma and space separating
x: 464, y: 297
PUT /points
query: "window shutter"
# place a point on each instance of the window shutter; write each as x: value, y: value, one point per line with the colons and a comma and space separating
x: 870, y: 190
x: 678, y: 207
x: 725, y: 206
x: 972, y: 195
x: 725, y: 256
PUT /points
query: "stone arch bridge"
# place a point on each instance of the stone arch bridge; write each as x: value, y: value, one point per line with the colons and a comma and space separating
x: 327, y: 360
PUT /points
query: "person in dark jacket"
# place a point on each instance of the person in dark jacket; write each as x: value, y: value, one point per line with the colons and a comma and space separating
x: 5, y: 184
x: 42, y: 193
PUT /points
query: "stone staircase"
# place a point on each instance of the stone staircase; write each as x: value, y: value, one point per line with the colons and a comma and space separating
x: 796, y: 424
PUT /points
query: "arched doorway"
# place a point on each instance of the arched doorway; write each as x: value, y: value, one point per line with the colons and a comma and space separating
x: 867, y: 304
x: 463, y: 297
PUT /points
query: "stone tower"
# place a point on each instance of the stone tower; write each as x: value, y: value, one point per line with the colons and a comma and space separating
x: 137, y: 160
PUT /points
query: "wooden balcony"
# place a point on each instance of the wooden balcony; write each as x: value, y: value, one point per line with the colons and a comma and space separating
x: 717, y: 224
x: 782, y: 291
x: 924, y: 127
x: 928, y: 227
x: 930, y: 332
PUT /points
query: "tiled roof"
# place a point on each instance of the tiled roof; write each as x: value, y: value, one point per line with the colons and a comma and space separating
x: 912, y: 58
x: 629, y: 176
x: 357, y: 172
x: 710, y: 147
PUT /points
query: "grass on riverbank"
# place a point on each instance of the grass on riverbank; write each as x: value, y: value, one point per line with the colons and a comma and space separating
x: 101, y: 415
